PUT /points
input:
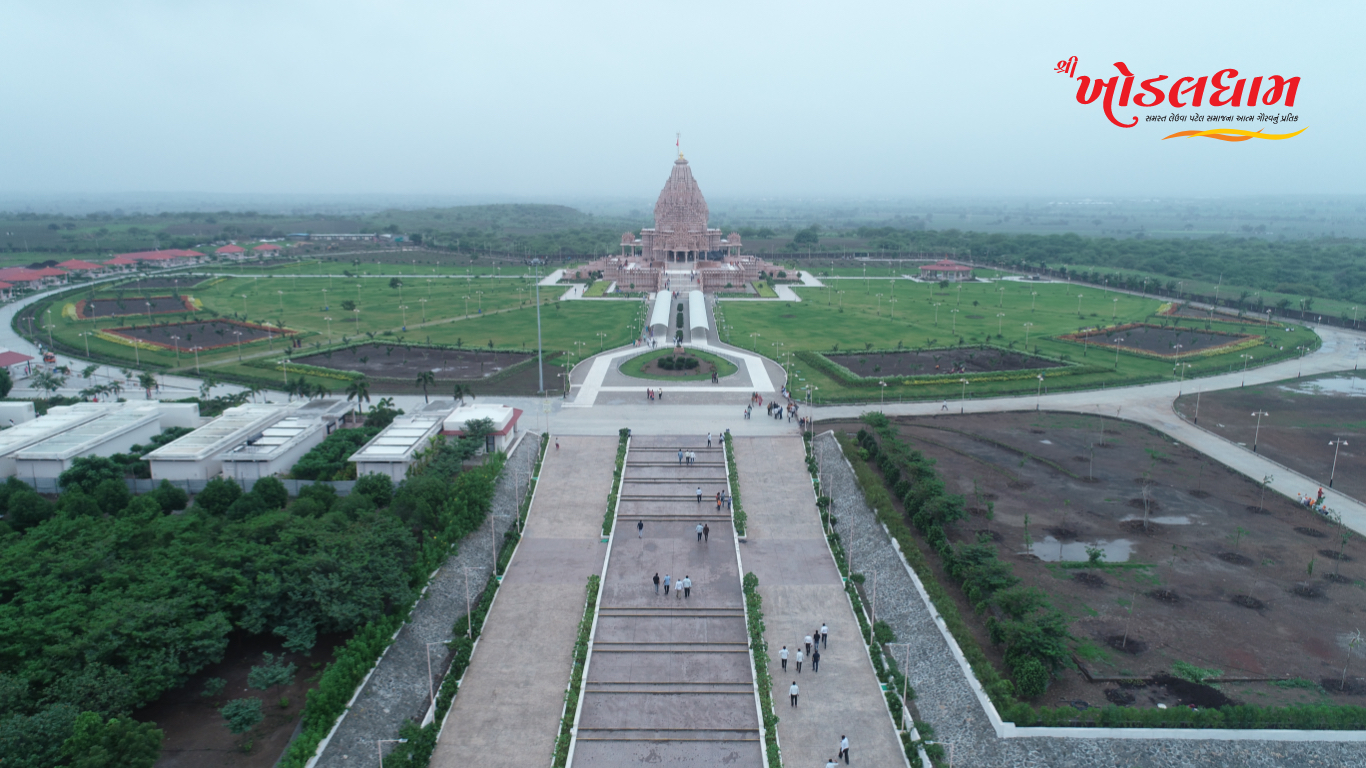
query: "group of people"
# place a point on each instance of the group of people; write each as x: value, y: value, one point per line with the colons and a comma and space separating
x: 682, y: 588
x: 810, y: 648
x: 654, y: 394
x: 687, y: 458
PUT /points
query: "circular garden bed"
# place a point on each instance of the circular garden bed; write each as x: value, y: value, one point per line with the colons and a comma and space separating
x: 689, y: 365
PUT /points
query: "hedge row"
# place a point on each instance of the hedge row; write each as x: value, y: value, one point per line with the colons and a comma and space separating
x: 575, y: 690
x: 738, y: 517
x: 609, y: 516
x: 754, y: 621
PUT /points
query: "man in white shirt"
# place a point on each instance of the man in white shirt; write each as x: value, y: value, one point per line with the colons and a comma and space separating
x: 699, y: 525
x: 844, y: 749
x: 808, y: 643
x: 825, y: 636
x: 799, y: 661
x: 792, y: 693
x: 783, y: 655
x: 699, y: 501
x: 687, y: 587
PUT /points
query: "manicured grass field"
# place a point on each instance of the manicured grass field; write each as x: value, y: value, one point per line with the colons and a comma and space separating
x: 444, y: 311
x: 927, y: 316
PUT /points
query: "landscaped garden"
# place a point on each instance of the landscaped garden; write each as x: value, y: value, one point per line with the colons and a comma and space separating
x: 671, y: 365
x: 1016, y: 321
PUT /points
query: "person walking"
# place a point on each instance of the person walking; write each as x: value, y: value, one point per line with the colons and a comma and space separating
x: 708, y: 439
x: 706, y: 533
x: 783, y: 656
x: 666, y: 585
x: 792, y: 693
x: 816, y: 660
x: 800, y: 656
x: 687, y: 587
x: 699, y: 531
x: 640, y: 529
x: 825, y: 636
x: 699, y: 501
x: 831, y: 763
x: 557, y: 443
x: 692, y: 458
x: 656, y: 582
x: 678, y: 589
x: 844, y: 748
x: 680, y: 455
x: 808, y: 644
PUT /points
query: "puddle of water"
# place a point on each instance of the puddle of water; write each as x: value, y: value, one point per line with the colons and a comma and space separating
x: 1161, y: 519
x: 1046, y: 442
x: 1116, y: 551
x: 1350, y: 386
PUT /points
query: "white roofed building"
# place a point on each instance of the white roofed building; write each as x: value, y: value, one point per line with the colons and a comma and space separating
x: 503, y: 417
x: 396, y: 448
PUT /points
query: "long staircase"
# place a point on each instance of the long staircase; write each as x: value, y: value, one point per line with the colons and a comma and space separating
x: 669, y: 679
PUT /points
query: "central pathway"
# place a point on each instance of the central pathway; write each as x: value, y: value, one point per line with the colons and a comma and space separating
x: 669, y: 679
x: 507, y: 712
x: 802, y: 589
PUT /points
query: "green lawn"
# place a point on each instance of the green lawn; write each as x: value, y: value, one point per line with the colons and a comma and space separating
x: 967, y: 315
x: 765, y: 290
x: 636, y: 366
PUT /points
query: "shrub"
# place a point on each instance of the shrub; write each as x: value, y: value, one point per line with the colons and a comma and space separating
x: 378, y: 487
x: 170, y: 497
x: 241, y: 714
x: 214, y: 687
x: 271, y: 492
x: 270, y: 674
x: 1031, y: 678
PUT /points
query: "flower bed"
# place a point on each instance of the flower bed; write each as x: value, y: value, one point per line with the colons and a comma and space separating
x: 159, y: 336
x: 1162, y: 342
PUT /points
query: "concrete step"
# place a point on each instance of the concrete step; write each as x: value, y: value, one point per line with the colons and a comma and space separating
x: 667, y: 734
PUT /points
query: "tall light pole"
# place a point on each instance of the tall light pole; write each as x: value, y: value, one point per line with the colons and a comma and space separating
x: 1033, y: 297
x: 244, y: 306
x: 963, y: 403
x: 1181, y: 384
x: 282, y: 301
x: 196, y: 360
x: 891, y: 306
x: 1300, y: 370
x: 1337, y: 446
x: 238, y: 334
x: 602, y: 339
x: 954, y: 314
x: 1258, y: 431
x: 176, y: 339
x: 1118, y: 342
x: 879, y: 305
x: 423, y: 302
x: 937, y: 305
x: 538, y: 302
x: 479, y: 296
x: 329, y: 329
x: 1246, y: 359
x: 1079, y: 303
x: 325, y: 304
x: 403, y: 308
x: 1114, y: 315
x: 1002, y: 301
x: 999, y: 315
x: 882, y: 393
x: 1038, y: 394
x: 755, y: 342
x: 1027, y: 326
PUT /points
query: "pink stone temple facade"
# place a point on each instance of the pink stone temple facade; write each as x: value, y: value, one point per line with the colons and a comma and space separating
x: 680, y: 249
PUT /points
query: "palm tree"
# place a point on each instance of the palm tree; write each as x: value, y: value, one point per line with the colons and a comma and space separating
x: 49, y: 381
x: 423, y: 380
x: 358, y: 390
x: 463, y: 391
x: 116, y: 387
x: 319, y: 391
x: 148, y: 382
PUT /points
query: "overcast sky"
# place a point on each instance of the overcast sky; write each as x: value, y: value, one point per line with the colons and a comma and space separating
x: 583, y: 99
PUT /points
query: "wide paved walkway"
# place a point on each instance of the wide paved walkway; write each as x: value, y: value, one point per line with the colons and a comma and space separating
x: 669, y: 679
x: 508, y: 710
x: 802, y: 589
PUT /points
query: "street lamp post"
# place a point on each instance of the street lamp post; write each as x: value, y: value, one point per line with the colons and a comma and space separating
x: 937, y: 305
x: 244, y: 306
x: 1079, y: 303
x: 1258, y: 431
x: 329, y: 329
x: 176, y: 339
x: 954, y: 314
x: 1033, y: 297
x: 1027, y: 326
x: 1246, y: 359
x: 479, y: 296
x: 423, y: 302
x: 86, y: 334
x: 467, y: 306
x: 962, y: 404
x: 196, y: 359
x: 238, y: 334
x: 879, y: 305
x: 282, y: 301
x: 325, y: 304
x: 1038, y: 394
x: 1002, y: 301
x: 1115, y: 314
x: 882, y: 393
x: 1181, y: 384
x: 602, y: 338
x: 891, y: 307
x: 755, y: 342
x: 403, y: 308
x: 1337, y: 444
x: 999, y: 316
x: 1300, y: 369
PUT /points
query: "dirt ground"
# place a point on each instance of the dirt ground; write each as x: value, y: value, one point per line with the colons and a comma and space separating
x: 196, y: 734
x: 1303, y: 417
x: 966, y: 360
x: 205, y: 334
x: 395, y: 361
x: 1156, y: 339
x: 131, y: 305
x: 1180, y: 587
x: 151, y: 283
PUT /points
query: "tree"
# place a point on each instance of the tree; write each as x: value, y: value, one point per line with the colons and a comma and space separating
x: 206, y: 387
x: 808, y: 236
x: 6, y: 382
x: 87, y: 472
x: 423, y: 380
x: 49, y: 381
x: 170, y: 497
x: 118, y: 743
x: 271, y: 492
x: 463, y: 391
x: 241, y: 714
x: 394, y: 282
x: 148, y: 382
x: 218, y: 494
x: 272, y: 673
x: 378, y: 487
x: 89, y: 370
x: 348, y: 305
x: 358, y: 390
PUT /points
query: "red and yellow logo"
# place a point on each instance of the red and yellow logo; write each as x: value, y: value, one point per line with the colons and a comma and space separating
x: 1223, y: 89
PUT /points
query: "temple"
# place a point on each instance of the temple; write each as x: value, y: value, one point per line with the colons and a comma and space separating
x: 680, y: 251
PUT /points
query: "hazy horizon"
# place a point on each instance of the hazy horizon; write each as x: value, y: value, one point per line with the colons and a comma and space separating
x: 551, y: 103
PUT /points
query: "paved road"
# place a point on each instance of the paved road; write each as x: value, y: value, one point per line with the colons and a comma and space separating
x: 508, y: 710
x: 802, y: 589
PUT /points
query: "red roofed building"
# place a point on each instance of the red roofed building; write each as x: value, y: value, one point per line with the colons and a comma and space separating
x: 32, y: 278
x: 76, y: 265
x: 232, y: 251
x: 172, y: 257
x: 6, y: 289
x: 265, y: 248
x: 946, y: 270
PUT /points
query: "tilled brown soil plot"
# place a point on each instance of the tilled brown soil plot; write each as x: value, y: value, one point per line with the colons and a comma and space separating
x: 1216, y: 579
x: 394, y: 368
x: 1303, y: 419
x: 966, y: 360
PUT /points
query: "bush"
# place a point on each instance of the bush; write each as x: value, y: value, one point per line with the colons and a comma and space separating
x: 170, y: 497
x: 270, y: 674
x: 118, y: 743
x: 271, y: 492
x: 378, y: 487
x: 214, y: 687
x: 218, y: 494
x: 87, y: 472
x: 241, y: 714
x: 1031, y: 678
